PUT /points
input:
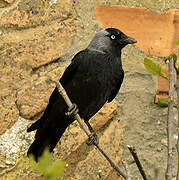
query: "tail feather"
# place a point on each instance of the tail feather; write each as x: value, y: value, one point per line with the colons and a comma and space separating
x: 36, y: 149
x: 34, y: 126
x: 48, y: 135
x: 50, y: 127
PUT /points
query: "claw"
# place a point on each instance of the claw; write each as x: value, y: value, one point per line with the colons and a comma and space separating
x: 92, y: 140
x: 72, y: 111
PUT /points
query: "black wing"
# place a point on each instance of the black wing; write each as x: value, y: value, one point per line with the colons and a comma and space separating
x: 71, y: 69
x: 116, y: 89
x: 67, y: 75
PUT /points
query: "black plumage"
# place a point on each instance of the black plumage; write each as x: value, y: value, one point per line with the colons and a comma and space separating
x: 93, y: 78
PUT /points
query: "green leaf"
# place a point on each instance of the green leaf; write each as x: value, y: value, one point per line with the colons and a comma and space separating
x: 55, y: 170
x: 152, y: 67
x: 44, y: 161
x: 46, y: 166
x: 163, y: 75
x: 177, y: 42
x: 162, y: 103
x: 33, y: 163
x: 174, y: 56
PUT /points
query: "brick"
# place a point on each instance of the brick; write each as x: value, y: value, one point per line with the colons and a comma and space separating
x: 155, y: 32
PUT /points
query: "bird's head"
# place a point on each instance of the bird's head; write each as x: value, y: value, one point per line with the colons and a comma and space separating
x: 110, y: 39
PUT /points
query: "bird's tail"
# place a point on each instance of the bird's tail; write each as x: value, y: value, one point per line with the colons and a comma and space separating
x: 47, y: 135
x: 37, y: 147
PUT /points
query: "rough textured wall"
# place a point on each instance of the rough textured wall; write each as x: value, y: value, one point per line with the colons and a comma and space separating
x: 37, y: 40
x: 33, y: 36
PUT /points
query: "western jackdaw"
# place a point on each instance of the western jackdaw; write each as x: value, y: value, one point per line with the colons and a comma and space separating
x: 93, y: 78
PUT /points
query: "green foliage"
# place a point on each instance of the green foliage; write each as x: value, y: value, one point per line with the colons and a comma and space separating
x: 154, y: 68
x: 162, y: 103
x: 46, y: 166
x: 177, y: 42
x: 172, y: 56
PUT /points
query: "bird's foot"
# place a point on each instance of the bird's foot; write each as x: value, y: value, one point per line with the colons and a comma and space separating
x: 92, y: 140
x: 72, y: 111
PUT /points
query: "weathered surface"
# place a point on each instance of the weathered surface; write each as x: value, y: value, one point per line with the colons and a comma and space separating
x: 14, y: 142
x: 28, y: 14
x: 10, y: 151
x: 33, y: 98
x: 33, y: 36
x: 155, y: 32
x: 9, y: 114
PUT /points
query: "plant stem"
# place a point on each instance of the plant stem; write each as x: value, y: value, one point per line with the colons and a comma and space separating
x: 137, y: 161
x: 170, y: 117
x: 177, y: 90
x: 86, y: 130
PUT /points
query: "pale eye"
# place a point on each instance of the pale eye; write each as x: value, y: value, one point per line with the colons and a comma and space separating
x: 113, y: 36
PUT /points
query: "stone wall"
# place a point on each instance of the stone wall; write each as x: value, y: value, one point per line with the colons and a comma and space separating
x: 33, y: 36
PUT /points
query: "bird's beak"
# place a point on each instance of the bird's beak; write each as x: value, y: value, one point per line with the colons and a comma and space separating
x: 130, y: 40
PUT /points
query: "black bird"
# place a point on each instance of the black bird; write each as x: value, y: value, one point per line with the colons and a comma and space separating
x: 93, y: 78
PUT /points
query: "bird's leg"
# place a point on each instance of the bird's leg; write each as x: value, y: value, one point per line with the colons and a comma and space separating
x: 93, y: 139
x: 72, y: 111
